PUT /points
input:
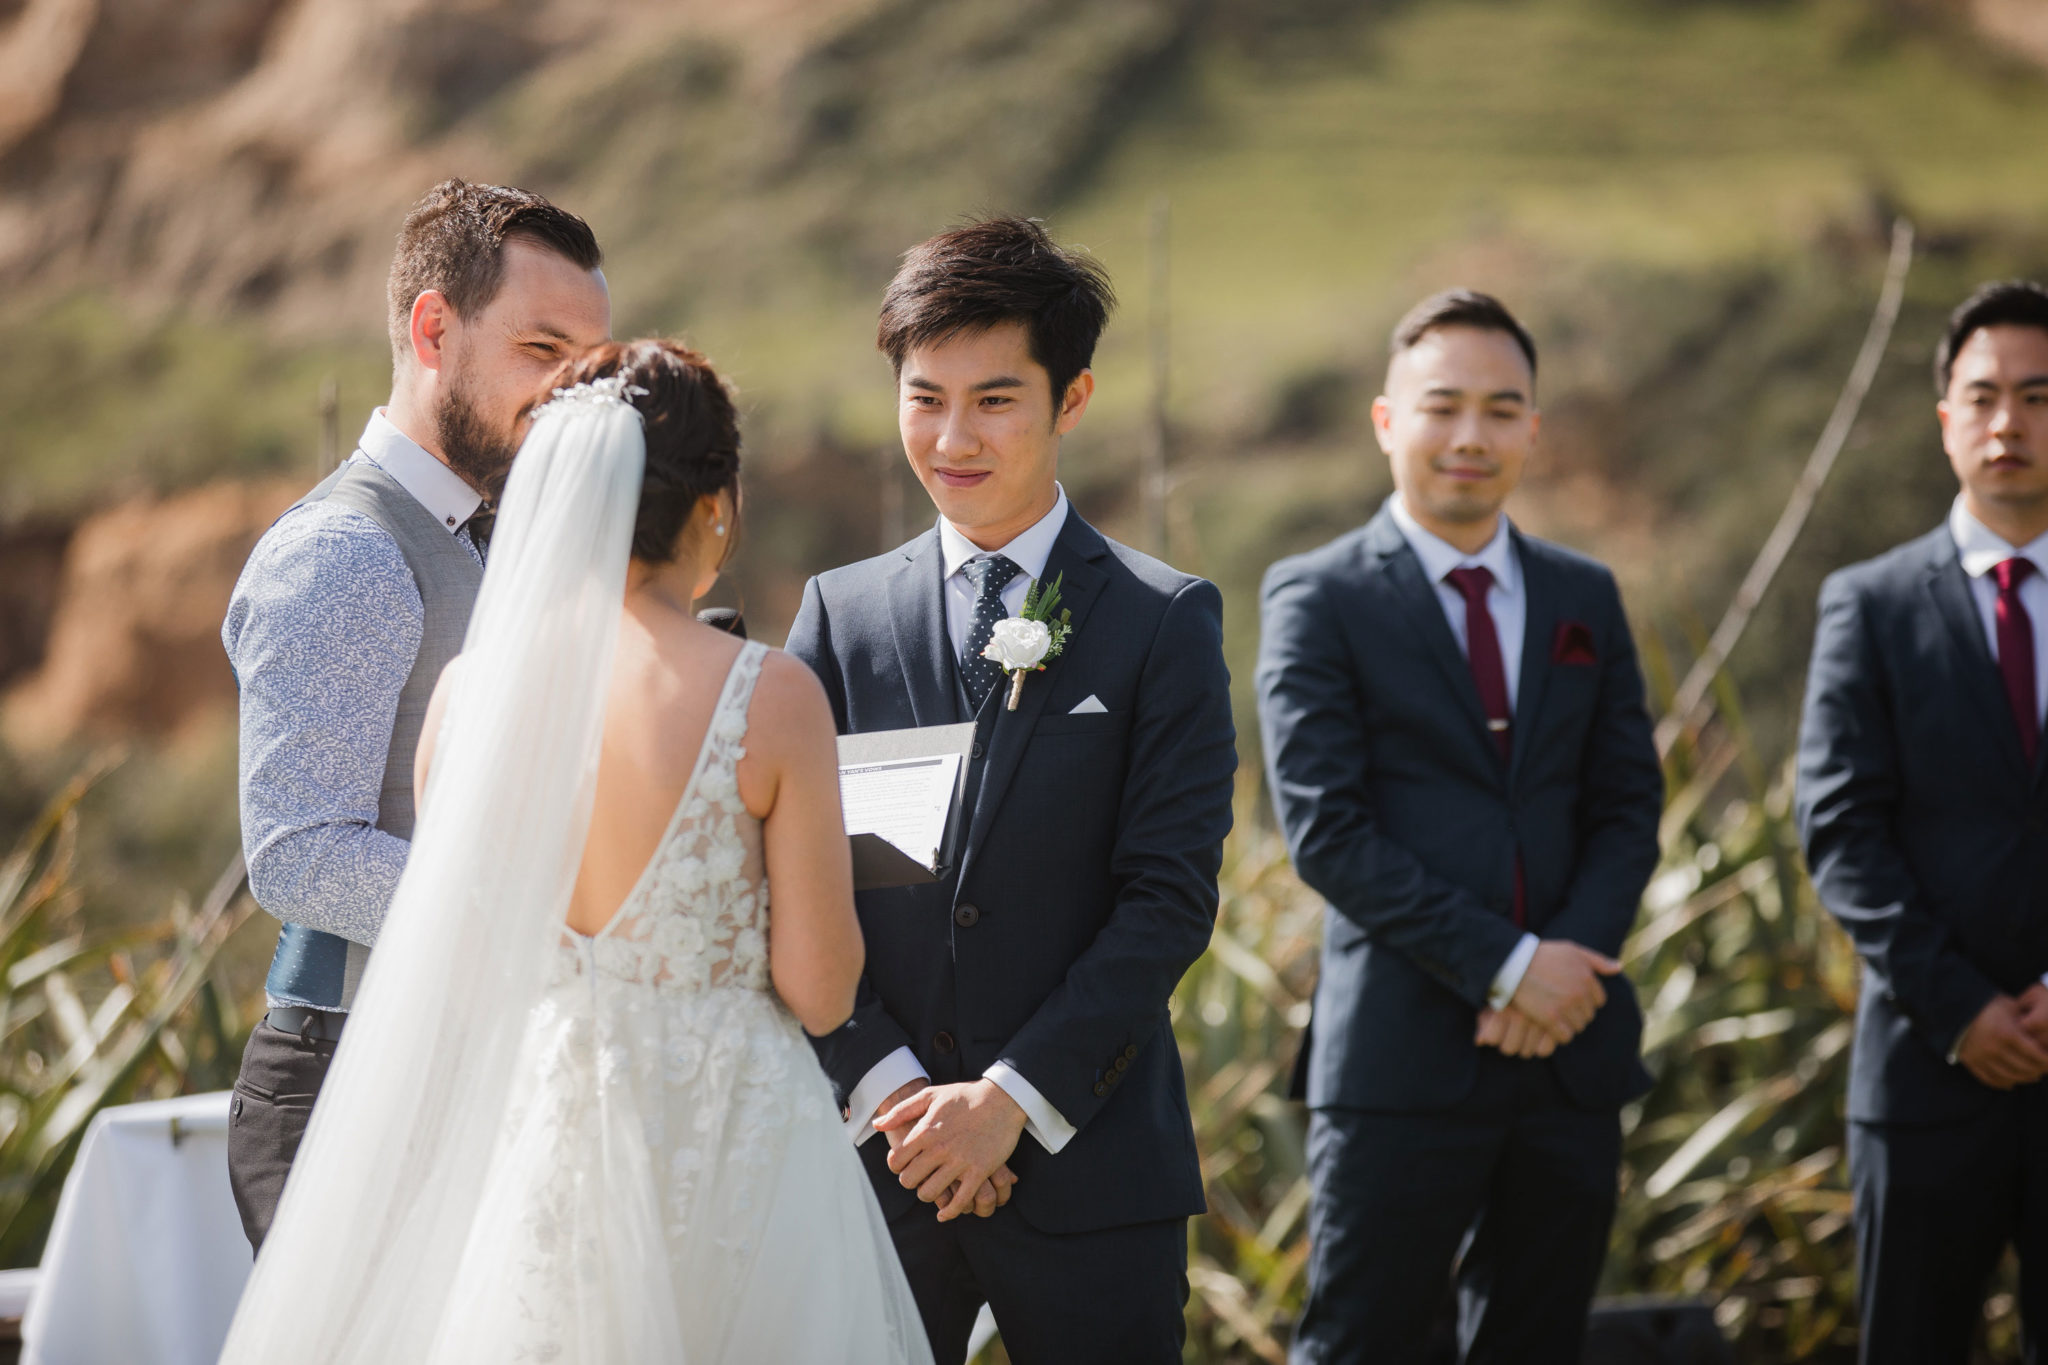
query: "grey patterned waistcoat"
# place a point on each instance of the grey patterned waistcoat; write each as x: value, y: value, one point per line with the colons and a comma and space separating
x: 319, y: 967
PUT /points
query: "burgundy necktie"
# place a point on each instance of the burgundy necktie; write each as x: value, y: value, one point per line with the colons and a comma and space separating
x: 1482, y: 652
x: 2016, y: 652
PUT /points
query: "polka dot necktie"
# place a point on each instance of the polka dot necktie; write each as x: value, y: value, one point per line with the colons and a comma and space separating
x: 989, y: 577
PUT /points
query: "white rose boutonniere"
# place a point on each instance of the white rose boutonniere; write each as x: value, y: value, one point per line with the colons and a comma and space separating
x: 1025, y: 644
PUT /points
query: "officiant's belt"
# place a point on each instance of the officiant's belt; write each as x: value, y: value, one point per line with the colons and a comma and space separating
x: 311, y: 1026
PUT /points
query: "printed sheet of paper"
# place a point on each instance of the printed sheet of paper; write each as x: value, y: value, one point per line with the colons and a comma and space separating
x: 904, y: 801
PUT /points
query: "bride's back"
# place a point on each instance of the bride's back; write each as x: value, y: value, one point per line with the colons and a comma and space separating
x: 669, y: 673
x: 667, y: 676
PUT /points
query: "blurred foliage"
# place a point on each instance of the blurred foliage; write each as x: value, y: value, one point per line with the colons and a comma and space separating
x: 1238, y: 1014
x: 90, y: 1018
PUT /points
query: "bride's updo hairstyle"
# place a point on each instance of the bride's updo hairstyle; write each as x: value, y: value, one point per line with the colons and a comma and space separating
x: 693, y: 434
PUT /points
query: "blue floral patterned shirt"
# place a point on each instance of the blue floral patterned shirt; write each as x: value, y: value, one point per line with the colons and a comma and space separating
x: 322, y: 630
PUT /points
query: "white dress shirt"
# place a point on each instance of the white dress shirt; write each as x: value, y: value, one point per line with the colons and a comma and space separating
x: 1029, y: 551
x: 1982, y: 550
x: 432, y: 484
x: 1509, y: 606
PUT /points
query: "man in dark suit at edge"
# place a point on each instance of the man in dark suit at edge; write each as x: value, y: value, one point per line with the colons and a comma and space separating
x: 1461, y: 760
x: 1925, y: 818
x: 1026, y: 991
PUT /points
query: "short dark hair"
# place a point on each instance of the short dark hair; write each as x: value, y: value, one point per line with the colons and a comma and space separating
x: 1462, y: 308
x: 998, y: 270
x: 454, y: 240
x: 693, y: 433
x: 2019, y: 303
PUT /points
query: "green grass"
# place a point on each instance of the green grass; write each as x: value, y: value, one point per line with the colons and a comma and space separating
x: 1482, y: 139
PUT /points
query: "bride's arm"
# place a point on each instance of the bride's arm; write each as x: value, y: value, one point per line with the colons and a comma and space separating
x: 430, y: 732
x: 815, y: 953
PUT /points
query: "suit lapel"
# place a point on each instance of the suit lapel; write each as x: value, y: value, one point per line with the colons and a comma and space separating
x: 1074, y: 562
x: 1539, y: 598
x: 917, y: 615
x: 1950, y: 587
x: 1414, y: 596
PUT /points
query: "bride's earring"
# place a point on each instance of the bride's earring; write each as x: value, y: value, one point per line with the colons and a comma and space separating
x: 718, y: 528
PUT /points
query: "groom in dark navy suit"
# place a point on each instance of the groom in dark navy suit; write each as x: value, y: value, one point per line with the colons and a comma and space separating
x: 1025, y: 993
x: 1924, y: 808
x: 1461, y: 760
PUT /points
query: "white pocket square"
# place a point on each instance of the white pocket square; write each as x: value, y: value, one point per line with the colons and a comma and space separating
x: 1092, y: 706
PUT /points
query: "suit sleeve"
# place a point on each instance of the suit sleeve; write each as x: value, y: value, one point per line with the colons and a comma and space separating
x: 1319, y: 765
x: 1168, y: 850
x: 1848, y: 803
x: 1621, y: 798
x: 869, y: 1036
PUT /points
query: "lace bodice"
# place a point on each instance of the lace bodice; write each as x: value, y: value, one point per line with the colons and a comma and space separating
x: 698, y: 917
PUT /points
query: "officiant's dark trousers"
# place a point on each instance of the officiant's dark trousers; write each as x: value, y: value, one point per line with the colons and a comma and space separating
x: 1117, y: 1296
x: 1515, y: 1186
x: 267, y: 1118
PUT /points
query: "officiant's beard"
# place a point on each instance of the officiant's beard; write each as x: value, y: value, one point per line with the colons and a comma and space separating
x: 471, y: 446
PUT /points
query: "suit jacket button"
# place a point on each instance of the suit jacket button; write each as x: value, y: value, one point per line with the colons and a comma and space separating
x: 1131, y: 1051
x: 1101, y: 1088
x: 1123, y: 1064
x: 943, y: 1041
x: 966, y: 916
x: 977, y: 748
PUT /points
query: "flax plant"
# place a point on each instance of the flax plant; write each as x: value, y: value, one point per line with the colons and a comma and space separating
x: 90, y: 1019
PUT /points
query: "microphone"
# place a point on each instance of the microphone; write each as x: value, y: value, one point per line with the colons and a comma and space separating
x: 727, y: 619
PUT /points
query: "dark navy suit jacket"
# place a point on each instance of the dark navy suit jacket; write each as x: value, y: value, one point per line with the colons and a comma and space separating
x: 1087, y: 884
x: 1926, y: 831
x: 1401, y: 814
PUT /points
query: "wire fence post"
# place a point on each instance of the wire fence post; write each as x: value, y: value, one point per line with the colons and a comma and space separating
x: 330, y: 425
x: 1154, y: 475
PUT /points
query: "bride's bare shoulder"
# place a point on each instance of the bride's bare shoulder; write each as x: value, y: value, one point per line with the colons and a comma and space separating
x: 789, y: 698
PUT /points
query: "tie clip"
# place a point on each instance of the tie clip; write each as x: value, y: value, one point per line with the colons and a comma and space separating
x: 1496, y: 725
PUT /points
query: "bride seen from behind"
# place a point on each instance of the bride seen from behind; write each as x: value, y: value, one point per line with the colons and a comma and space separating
x: 667, y: 673
x: 575, y: 1117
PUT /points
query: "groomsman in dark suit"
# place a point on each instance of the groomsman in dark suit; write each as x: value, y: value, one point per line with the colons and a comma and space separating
x: 1461, y: 760
x: 1012, y: 1022
x: 1925, y: 816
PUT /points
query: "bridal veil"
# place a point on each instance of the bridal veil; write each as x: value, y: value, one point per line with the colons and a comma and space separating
x: 361, y: 1262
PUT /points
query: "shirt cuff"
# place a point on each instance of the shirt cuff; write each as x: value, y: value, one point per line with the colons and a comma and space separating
x: 884, y: 1079
x: 1508, y: 979
x: 1041, y: 1120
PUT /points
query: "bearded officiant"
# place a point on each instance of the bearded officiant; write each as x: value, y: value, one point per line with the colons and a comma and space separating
x: 353, y: 602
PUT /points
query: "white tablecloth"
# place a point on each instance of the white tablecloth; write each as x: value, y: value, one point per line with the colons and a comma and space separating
x: 147, y: 1257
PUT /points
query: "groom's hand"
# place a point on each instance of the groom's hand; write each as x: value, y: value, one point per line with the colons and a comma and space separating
x: 955, y: 1138
x: 994, y: 1191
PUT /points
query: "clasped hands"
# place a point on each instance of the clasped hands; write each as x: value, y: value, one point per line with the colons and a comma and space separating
x: 2007, y: 1043
x: 952, y: 1144
x: 1558, y: 996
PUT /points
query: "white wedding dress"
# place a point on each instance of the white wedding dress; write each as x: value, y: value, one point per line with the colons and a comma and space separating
x: 661, y: 1033
x: 535, y: 1146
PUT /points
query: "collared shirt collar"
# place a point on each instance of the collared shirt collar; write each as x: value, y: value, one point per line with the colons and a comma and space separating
x: 1439, y: 556
x: 432, y: 484
x: 1029, y: 550
x: 1983, y: 549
